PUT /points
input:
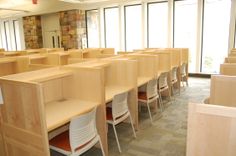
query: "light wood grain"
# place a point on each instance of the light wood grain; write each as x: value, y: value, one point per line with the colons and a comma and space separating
x: 23, y: 122
x: 228, y: 69
x: 211, y: 130
x: 62, y: 111
x: 222, y: 91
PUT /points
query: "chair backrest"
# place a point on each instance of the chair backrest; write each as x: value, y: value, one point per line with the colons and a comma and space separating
x: 152, y: 89
x: 82, y: 129
x: 119, y: 105
x: 163, y: 80
x: 183, y: 69
x: 174, y: 73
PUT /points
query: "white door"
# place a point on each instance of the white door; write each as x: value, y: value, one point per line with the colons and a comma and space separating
x: 52, y: 39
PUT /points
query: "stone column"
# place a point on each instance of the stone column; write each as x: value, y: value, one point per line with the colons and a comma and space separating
x: 73, y: 28
x: 33, y: 32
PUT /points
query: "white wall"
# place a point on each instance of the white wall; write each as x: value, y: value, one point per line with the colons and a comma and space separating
x: 50, y: 28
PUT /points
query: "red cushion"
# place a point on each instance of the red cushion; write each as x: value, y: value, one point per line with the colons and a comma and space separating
x: 109, y: 113
x: 61, y: 141
x: 142, y: 95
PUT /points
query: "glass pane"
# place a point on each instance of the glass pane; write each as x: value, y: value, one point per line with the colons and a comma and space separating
x: 215, y: 34
x: 92, y: 28
x: 185, y: 29
x: 133, y: 27
x: 112, y: 28
x: 235, y: 36
x: 17, y: 39
x: 6, y: 36
x: 157, y: 25
x: 1, y: 45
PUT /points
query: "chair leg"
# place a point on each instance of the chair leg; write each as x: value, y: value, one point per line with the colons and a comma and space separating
x: 117, y: 141
x: 170, y: 96
x: 161, y: 101
x: 160, y: 104
x: 149, y: 112
x: 131, y: 121
x: 100, y: 142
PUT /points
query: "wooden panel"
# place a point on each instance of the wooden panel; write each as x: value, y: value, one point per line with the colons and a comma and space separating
x: 75, y: 53
x: 211, y: 130
x: 92, y: 53
x: 22, y: 64
x: 52, y: 59
x: 175, y: 57
x: 223, y: 90
x: 23, y: 120
x: 110, y: 51
x: 88, y: 84
x: 230, y: 60
x: 85, y: 84
x: 77, y: 60
x: 52, y: 90
x: 228, y: 69
x: 7, y: 68
x: 147, y: 65
x: 164, y: 60
x: 33, y: 67
x: 64, y: 59
x: 36, y: 51
x: 121, y: 72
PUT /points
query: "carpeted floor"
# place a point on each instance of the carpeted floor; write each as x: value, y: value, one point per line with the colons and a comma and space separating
x: 167, y: 135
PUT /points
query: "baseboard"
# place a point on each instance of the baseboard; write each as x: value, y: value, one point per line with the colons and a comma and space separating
x: 200, y: 75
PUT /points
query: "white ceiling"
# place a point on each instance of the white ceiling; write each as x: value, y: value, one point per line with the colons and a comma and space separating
x: 14, y: 8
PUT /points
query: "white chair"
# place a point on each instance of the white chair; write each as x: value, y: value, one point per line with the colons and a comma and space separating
x: 81, y: 136
x: 174, y: 79
x: 150, y: 95
x: 163, y: 85
x: 184, y: 74
x: 118, y: 112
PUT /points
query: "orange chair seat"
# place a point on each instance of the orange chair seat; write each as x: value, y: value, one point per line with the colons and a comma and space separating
x: 142, y: 95
x: 61, y: 141
x: 109, y: 113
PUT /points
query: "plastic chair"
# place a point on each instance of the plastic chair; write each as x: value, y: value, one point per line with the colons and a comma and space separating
x: 163, y: 84
x: 184, y: 74
x: 118, y: 113
x: 150, y: 95
x: 81, y: 136
x: 174, y: 79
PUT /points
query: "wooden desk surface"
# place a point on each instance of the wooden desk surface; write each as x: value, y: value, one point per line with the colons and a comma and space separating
x: 111, y: 91
x: 143, y: 80
x: 11, y: 53
x: 60, y: 112
x: 39, y: 75
x: 7, y: 60
x: 34, y: 57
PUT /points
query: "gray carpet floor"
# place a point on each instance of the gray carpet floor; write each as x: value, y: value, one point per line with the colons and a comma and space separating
x: 166, y: 136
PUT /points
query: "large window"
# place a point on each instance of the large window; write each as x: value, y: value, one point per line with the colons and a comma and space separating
x: 133, y: 27
x: 185, y: 28
x: 92, y: 22
x: 157, y: 25
x: 216, y: 21
x: 111, y: 19
x: 10, y: 38
x: 17, y: 40
x: 7, y: 35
